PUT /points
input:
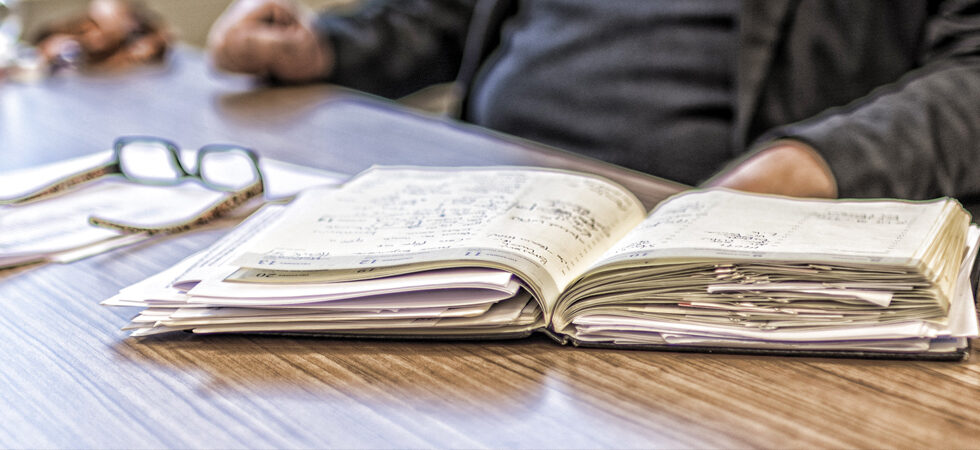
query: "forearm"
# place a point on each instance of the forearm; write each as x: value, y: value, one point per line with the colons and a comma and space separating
x: 784, y: 167
x: 917, y: 140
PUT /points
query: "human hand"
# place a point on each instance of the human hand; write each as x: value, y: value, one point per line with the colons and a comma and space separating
x: 788, y: 167
x: 111, y: 34
x: 269, y: 38
x: 113, y: 20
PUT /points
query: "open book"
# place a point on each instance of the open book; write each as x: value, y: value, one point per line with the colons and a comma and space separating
x: 503, y: 252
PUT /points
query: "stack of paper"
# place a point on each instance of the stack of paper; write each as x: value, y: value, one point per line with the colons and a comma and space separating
x: 734, y: 270
x: 197, y: 295
x: 501, y: 252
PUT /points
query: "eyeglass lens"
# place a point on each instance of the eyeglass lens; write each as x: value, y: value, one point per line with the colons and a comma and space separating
x: 227, y: 169
x: 150, y: 161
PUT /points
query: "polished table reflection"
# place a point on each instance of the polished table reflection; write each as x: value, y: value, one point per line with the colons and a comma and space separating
x: 70, y: 378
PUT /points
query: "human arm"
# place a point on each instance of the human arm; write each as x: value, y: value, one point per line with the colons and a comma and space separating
x: 914, y: 137
x: 785, y: 167
x: 395, y: 47
x: 389, y: 48
x: 111, y: 34
x: 269, y: 38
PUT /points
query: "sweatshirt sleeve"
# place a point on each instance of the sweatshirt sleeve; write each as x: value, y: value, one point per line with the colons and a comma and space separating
x: 918, y: 137
x: 392, y: 48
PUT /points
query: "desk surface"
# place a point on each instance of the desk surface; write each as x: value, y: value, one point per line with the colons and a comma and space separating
x: 70, y: 378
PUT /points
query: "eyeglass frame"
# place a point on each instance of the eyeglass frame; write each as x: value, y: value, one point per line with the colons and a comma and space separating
x: 115, y: 167
x: 175, y: 161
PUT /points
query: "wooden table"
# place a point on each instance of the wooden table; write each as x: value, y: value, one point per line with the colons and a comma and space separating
x: 70, y: 378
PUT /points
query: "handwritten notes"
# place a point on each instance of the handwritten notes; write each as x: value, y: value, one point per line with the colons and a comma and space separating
x: 547, y: 225
x: 722, y: 224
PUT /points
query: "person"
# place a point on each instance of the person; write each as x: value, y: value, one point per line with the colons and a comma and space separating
x: 112, y: 34
x: 814, y: 98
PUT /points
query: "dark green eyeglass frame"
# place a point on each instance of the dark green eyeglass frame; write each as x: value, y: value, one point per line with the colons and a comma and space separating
x: 173, y: 154
x: 230, y: 202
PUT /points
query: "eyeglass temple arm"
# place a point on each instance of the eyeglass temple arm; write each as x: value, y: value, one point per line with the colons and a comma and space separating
x: 63, y: 185
x: 217, y: 209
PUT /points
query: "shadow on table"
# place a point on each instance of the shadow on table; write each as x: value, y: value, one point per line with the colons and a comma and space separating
x: 272, y: 105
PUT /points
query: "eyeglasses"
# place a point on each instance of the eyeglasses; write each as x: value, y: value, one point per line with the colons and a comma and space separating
x: 155, y: 161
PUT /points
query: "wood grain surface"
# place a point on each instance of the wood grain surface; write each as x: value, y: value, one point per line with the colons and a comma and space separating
x: 69, y: 378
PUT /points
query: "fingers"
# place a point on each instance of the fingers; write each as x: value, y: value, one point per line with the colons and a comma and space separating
x: 239, y: 14
x: 298, y: 54
x: 114, y: 18
x: 275, y: 14
x: 227, y: 33
x: 268, y: 38
x: 249, y: 10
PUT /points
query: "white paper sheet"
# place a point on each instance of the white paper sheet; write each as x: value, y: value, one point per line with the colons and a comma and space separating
x: 719, y: 224
x: 875, y: 297
x: 598, y: 323
x: 963, y: 310
x: 57, y: 229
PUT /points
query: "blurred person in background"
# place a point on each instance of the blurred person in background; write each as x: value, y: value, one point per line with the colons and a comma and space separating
x: 112, y: 34
x: 814, y: 98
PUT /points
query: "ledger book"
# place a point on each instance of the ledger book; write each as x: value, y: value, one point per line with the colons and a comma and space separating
x: 467, y: 253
